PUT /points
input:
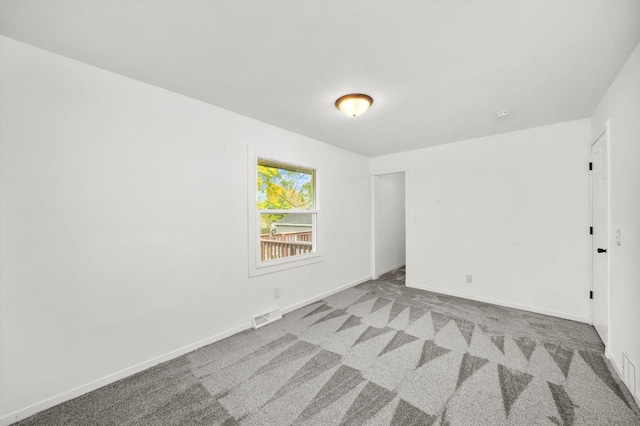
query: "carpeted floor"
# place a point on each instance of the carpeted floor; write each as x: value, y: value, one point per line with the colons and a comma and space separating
x: 376, y: 354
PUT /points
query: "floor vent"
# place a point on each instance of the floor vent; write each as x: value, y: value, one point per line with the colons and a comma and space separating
x: 268, y: 318
x: 628, y: 373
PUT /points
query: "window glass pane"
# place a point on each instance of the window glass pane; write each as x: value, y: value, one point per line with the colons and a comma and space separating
x: 285, y: 235
x: 284, y: 187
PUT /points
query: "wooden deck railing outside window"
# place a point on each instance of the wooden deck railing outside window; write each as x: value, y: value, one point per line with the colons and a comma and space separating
x: 278, y: 246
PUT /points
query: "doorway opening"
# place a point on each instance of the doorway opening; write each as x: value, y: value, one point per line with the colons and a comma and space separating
x: 389, y: 223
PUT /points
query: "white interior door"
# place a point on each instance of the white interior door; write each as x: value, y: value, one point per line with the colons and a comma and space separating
x: 600, y: 241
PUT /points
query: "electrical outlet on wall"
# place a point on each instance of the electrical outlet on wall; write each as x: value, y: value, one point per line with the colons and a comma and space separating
x: 469, y: 278
x: 276, y: 292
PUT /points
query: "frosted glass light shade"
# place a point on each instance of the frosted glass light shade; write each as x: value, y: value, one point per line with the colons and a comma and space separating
x: 354, y: 104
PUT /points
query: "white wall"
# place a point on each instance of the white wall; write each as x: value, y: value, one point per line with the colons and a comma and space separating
x: 124, y: 225
x: 511, y: 210
x: 389, y: 217
x: 621, y: 105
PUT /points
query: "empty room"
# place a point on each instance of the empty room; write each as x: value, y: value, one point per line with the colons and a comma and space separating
x: 319, y: 212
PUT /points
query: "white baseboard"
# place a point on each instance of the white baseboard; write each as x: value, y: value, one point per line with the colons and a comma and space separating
x: 323, y: 295
x: 502, y: 303
x: 607, y: 352
x: 111, y: 378
x: 615, y: 366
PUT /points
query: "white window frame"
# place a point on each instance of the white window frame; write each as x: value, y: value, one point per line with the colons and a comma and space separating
x: 256, y: 265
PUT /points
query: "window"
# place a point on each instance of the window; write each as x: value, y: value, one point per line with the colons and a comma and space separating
x: 285, y: 215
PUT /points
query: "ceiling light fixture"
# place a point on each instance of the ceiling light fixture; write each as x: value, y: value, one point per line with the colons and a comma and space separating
x: 354, y: 104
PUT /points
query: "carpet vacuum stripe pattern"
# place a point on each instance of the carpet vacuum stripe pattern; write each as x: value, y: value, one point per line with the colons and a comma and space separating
x: 376, y: 354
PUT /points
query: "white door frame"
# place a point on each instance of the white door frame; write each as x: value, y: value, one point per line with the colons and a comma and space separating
x: 606, y: 134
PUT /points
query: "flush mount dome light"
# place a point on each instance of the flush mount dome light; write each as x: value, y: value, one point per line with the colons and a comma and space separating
x: 354, y: 104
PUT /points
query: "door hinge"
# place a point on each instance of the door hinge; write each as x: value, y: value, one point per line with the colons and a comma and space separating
x: 590, y: 166
x: 591, y: 230
x: 591, y: 294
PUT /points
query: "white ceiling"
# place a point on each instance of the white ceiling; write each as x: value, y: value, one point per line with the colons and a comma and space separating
x: 438, y: 71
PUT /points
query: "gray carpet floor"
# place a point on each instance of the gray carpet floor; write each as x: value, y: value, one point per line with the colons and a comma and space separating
x: 376, y: 354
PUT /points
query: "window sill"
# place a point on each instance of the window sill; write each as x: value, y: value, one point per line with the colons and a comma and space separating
x: 284, y: 264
